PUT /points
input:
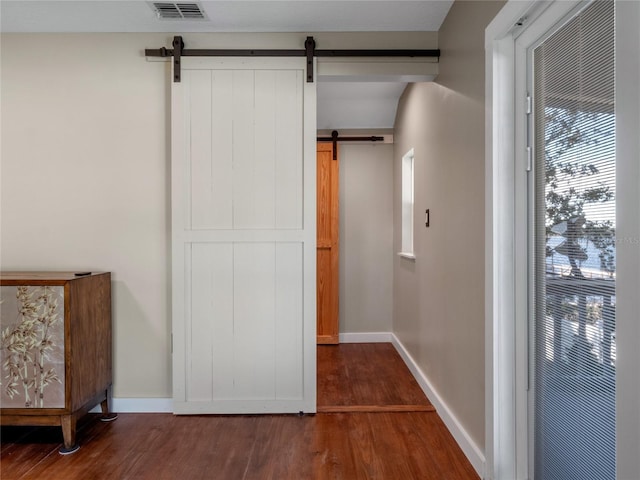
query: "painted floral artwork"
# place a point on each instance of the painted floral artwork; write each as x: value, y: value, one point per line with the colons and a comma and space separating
x: 32, y: 346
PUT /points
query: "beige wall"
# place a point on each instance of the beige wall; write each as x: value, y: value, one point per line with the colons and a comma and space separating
x: 85, y: 171
x: 366, y: 237
x: 84, y: 182
x: 439, y: 299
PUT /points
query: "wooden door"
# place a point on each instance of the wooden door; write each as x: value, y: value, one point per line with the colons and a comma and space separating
x: 243, y: 234
x: 327, y: 244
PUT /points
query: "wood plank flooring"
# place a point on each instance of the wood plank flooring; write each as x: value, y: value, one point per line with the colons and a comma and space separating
x: 366, y: 377
x: 346, y: 446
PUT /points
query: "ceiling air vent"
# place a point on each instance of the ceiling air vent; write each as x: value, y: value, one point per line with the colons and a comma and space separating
x: 178, y: 11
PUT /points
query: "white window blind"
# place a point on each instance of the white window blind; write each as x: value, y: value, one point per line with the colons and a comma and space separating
x: 574, y: 249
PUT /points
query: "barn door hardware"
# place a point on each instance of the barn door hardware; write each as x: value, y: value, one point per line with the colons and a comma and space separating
x: 335, y: 138
x: 178, y: 45
x: 178, y: 51
x: 310, y: 49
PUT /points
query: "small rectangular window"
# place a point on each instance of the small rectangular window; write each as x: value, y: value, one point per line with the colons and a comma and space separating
x: 407, y: 205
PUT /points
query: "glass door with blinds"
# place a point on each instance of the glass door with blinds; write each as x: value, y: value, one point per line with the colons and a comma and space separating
x: 573, y: 255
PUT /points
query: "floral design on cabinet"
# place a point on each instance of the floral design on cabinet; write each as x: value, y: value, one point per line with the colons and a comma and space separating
x: 32, y: 347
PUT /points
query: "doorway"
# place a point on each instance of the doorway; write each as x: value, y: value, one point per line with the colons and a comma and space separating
x: 365, y: 235
x: 518, y: 26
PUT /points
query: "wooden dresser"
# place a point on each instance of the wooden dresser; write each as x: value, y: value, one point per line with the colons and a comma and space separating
x: 55, y: 348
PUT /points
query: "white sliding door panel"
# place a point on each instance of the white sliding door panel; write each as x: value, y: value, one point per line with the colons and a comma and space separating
x: 243, y: 232
x: 254, y: 320
x: 211, y: 339
x: 262, y: 202
x: 286, y: 142
x: 289, y: 334
x: 246, y: 213
x: 201, y: 171
x: 211, y: 148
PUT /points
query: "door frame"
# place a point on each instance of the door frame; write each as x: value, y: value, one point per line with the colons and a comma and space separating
x: 506, y: 285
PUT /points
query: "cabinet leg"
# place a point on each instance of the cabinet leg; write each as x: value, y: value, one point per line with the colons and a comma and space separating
x: 68, y: 423
x: 106, y: 415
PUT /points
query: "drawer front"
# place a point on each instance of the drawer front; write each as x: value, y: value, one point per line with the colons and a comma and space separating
x: 32, y: 347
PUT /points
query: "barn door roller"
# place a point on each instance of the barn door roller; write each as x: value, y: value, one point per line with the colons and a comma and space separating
x: 178, y: 51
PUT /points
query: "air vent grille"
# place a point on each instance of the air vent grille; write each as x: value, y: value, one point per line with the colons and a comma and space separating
x: 178, y: 11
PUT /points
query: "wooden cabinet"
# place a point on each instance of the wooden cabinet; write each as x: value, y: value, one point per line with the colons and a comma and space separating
x: 55, y: 348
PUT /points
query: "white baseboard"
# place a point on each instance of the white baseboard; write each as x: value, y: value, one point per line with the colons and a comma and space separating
x: 366, y: 337
x: 139, y: 405
x: 468, y: 446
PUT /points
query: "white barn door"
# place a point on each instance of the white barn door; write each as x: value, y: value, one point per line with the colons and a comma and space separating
x: 243, y: 236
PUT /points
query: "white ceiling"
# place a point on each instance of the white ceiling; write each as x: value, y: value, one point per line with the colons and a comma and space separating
x: 357, y: 105
x: 340, y: 105
x: 225, y: 16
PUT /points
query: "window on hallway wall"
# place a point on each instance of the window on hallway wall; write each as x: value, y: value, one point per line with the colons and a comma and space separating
x: 407, y: 205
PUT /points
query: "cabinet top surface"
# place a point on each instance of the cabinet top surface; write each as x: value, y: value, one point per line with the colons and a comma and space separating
x: 60, y: 277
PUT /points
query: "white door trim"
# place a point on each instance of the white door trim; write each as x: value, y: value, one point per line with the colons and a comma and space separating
x: 506, y: 273
x: 506, y: 280
x: 500, y: 294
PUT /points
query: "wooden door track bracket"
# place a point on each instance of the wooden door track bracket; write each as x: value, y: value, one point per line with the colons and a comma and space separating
x: 178, y: 51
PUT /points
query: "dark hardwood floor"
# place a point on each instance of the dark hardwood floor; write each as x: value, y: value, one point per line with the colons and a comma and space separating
x: 366, y: 377
x: 392, y: 445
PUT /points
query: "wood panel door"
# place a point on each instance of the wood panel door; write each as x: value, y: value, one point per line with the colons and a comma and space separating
x: 328, y: 243
x: 243, y: 234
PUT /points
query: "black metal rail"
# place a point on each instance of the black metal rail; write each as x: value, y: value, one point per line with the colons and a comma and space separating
x: 335, y: 138
x: 309, y: 52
